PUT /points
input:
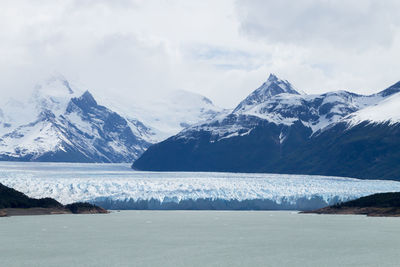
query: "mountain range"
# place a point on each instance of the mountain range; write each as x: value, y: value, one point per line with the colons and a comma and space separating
x: 60, y: 122
x: 278, y: 129
x: 275, y: 129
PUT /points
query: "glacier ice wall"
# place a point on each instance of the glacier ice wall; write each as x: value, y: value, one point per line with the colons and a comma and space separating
x: 116, y: 186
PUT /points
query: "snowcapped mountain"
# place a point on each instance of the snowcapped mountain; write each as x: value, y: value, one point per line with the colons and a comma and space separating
x: 287, y: 106
x: 272, y: 129
x: 60, y: 122
x: 277, y: 102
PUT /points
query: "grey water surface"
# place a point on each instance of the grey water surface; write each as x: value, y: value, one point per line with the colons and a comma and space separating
x: 199, y: 238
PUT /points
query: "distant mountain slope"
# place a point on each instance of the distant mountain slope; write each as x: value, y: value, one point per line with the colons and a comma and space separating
x: 287, y: 132
x: 168, y: 113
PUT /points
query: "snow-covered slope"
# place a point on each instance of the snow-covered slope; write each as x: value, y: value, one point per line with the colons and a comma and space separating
x: 167, y: 114
x: 386, y: 111
x: 278, y: 102
x: 52, y: 94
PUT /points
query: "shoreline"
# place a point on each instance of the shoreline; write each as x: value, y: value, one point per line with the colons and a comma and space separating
x: 32, y: 211
x: 8, y: 212
x: 369, y: 211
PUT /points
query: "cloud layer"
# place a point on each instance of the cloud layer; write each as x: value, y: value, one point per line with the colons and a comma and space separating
x: 222, y: 49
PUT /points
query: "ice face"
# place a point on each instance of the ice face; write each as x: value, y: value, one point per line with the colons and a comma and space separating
x: 71, y: 182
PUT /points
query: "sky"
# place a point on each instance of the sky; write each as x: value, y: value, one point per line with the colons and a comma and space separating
x: 222, y: 49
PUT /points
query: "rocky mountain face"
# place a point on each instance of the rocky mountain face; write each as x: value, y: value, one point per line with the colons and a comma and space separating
x: 277, y: 129
x: 62, y: 123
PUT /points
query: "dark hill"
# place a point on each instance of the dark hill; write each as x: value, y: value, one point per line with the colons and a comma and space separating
x: 10, y: 198
x: 13, y: 202
x: 382, y: 204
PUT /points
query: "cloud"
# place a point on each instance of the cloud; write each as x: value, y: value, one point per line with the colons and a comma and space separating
x: 222, y: 49
x: 351, y: 23
x: 327, y: 45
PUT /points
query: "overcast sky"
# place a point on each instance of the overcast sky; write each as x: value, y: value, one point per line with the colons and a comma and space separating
x: 221, y: 49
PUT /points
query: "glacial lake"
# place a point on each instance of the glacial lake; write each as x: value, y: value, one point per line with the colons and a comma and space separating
x: 199, y: 238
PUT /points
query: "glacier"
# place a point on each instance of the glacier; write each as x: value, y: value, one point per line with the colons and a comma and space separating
x: 117, y: 186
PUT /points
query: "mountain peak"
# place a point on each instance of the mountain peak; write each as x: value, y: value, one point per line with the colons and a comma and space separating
x: 272, y: 87
x: 86, y: 99
x: 275, y: 86
x: 272, y: 77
